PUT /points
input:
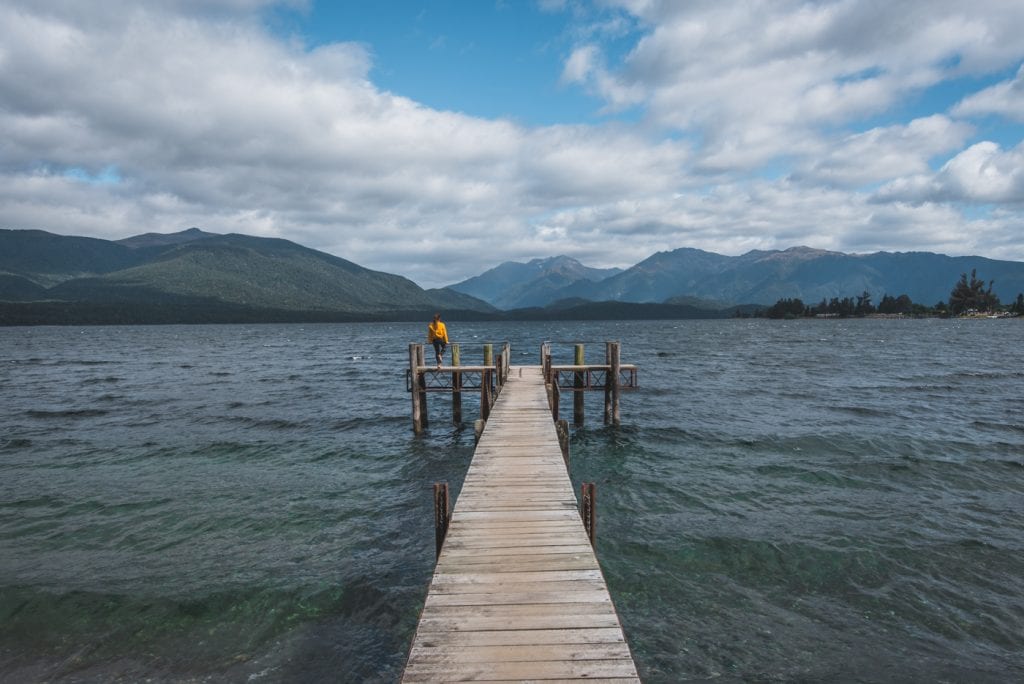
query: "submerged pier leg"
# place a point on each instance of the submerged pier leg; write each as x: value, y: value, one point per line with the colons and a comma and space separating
x: 414, y: 384
x: 456, y: 387
x: 421, y: 387
x: 577, y: 395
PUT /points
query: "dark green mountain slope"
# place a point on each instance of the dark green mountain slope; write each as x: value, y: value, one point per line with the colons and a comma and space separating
x: 46, y: 258
x: 230, y: 276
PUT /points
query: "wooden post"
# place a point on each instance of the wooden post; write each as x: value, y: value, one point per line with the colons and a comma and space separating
x: 506, y: 354
x: 422, y: 387
x: 485, y: 394
x: 414, y: 389
x: 588, y: 509
x: 562, y: 428
x: 577, y: 395
x: 488, y: 354
x: 556, y: 396
x: 615, y: 368
x: 456, y: 386
x: 608, y: 383
x: 478, y: 429
x: 442, y: 514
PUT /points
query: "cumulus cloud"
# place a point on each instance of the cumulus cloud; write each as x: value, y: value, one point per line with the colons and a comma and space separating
x: 762, y: 79
x: 983, y: 173
x: 1003, y: 99
x: 885, y: 152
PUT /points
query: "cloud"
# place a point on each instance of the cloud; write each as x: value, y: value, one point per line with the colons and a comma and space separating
x: 884, y: 153
x: 763, y: 79
x: 983, y: 173
x: 1003, y: 99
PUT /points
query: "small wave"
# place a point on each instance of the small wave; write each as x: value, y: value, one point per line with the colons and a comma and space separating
x: 15, y: 444
x: 220, y: 374
x: 1001, y: 427
x: 110, y: 379
x: 69, y: 413
x: 863, y: 411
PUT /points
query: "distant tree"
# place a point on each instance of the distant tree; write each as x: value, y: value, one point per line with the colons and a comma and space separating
x: 896, y: 305
x: 786, y: 308
x: 1018, y: 306
x: 863, y: 306
x: 971, y: 294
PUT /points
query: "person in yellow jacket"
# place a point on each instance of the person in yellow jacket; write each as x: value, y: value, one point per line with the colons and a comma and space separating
x: 437, y: 335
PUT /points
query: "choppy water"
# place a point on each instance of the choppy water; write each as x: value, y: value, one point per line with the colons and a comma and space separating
x: 785, y: 501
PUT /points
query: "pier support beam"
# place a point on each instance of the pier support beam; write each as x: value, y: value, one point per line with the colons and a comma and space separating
x: 611, y: 412
x: 417, y: 417
x: 588, y: 509
x: 421, y: 387
x: 456, y: 386
x: 577, y: 395
x: 442, y: 514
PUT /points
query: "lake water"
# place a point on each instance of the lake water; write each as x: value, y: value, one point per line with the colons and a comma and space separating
x: 784, y: 501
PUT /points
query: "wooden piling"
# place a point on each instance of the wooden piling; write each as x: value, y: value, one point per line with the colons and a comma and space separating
x: 562, y: 427
x: 442, y: 514
x: 456, y: 387
x: 421, y: 387
x: 556, y: 398
x: 588, y: 509
x: 417, y: 417
x: 614, y: 369
x: 577, y: 396
x: 485, y: 394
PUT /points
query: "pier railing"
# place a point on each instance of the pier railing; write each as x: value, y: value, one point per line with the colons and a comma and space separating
x: 611, y: 377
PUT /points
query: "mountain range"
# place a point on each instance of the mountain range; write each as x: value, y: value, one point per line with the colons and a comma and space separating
x: 196, y: 276
x: 695, y: 277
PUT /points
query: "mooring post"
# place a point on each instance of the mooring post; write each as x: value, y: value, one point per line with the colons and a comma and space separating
x: 456, y: 386
x: 555, y: 396
x: 478, y: 429
x: 499, y: 377
x: 588, y: 509
x: 506, y: 354
x: 613, y: 371
x: 485, y: 394
x: 577, y: 395
x: 608, y: 384
x: 442, y: 514
x: 421, y: 387
x: 562, y: 428
x: 414, y: 389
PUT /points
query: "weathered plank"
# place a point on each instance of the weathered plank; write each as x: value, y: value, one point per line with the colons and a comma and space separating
x: 517, y: 593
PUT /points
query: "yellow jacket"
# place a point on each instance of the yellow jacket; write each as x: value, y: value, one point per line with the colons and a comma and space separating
x: 437, y: 331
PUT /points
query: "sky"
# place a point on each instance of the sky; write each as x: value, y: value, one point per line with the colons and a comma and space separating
x: 436, y: 139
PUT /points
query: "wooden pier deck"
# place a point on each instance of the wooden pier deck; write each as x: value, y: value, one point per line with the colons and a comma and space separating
x: 517, y: 594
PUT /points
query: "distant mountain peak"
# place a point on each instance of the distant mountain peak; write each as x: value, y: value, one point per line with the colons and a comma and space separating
x: 165, y: 239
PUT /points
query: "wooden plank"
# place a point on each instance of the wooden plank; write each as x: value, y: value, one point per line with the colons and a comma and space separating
x: 517, y: 593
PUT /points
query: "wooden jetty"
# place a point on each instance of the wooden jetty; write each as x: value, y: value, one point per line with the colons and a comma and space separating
x: 517, y: 594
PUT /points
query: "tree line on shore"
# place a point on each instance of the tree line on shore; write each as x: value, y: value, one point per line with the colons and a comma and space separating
x: 968, y: 296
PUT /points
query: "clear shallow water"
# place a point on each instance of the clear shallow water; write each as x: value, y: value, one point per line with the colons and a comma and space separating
x: 785, y: 501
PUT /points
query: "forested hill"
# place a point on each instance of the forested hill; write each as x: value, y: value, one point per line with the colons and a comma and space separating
x: 198, y: 276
